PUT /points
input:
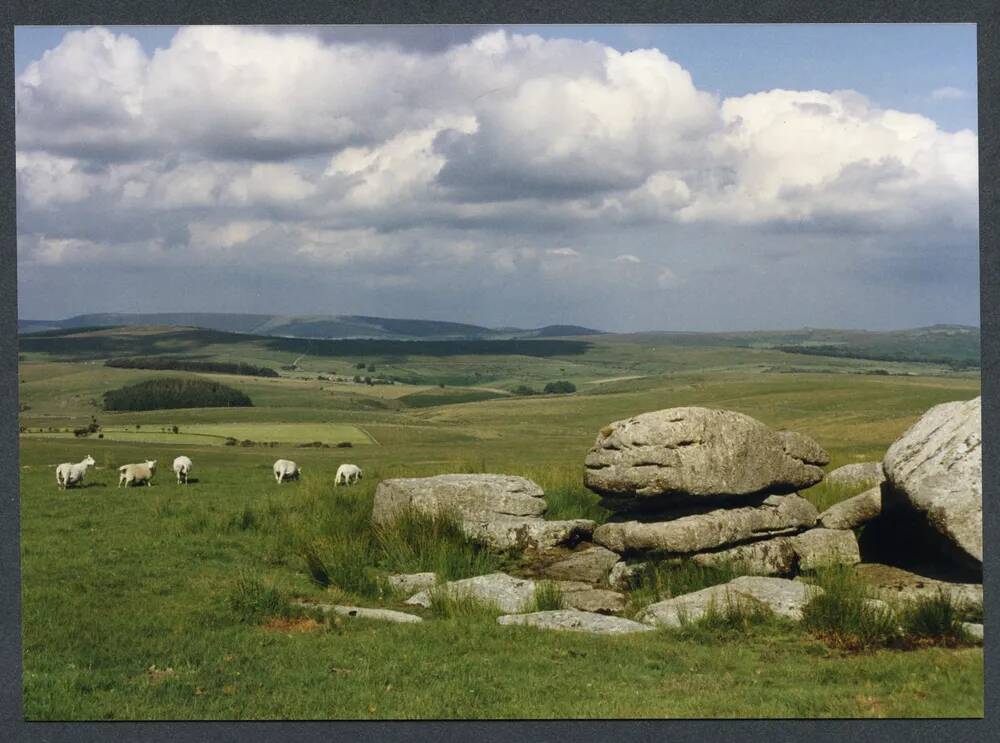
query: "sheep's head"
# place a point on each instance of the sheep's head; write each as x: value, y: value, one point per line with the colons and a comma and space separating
x: 89, y: 461
x: 151, y: 463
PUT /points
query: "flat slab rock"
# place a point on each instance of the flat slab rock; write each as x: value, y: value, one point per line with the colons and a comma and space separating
x: 777, y: 514
x: 360, y: 612
x: 504, y: 591
x: 784, y: 555
x: 853, y: 512
x: 572, y: 620
x: 503, y: 511
x: 597, y: 600
x: 895, y: 584
x: 937, y: 468
x: 693, y: 452
x: 785, y: 598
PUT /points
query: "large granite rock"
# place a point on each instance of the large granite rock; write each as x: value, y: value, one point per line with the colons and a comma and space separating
x: 786, y: 598
x: 777, y: 514
x: 859, y: 473
x: 936, y: 469
x: 818, y: 548
x: 502, y: 511
x: 573, y: 620
x: 505, y: 592
x: 699, y: 452
x: 895, y: 585
x: 853, y: 512
x: 590, y: 565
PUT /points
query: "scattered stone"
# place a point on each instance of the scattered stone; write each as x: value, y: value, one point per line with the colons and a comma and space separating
x: 786, y: 598
x: 973, y: 629
x: 502, y: 511
x: 818, y: 548
x: 599, y: 600
x: 359, y: 612
x: 411, y: 582
x: 589, y: 565
x: 506, y: 592
x: 857, y: 474
x: 853, y: 512
x: 622, y: 573
x: 896, y: 585
x: 699, y: 452
x: 936, y: 469
x: 776, y: 515
x: 573, y: 620
x: 767, y: 557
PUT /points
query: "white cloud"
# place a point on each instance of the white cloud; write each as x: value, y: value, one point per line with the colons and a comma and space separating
x: 627, y: 258
x: 563, y: 252
x: 950, y: 93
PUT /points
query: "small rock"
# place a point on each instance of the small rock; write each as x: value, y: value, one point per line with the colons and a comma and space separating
x: 589, y: 565
x: 573, y: 620
x: 359, y: 612
x: 856, y: 474
x: 597, y: 600
x: 410, y: 582
x: 973, y: 629
x: 506, y: 592
x: 818, y: 548
x: 621, y: 575
x: 894, y: 584
x: 853, y: 512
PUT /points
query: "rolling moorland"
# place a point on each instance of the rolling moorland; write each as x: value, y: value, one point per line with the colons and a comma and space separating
x: 163, y: 586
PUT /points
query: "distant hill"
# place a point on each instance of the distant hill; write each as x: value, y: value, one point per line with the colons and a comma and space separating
x: 307, y: 326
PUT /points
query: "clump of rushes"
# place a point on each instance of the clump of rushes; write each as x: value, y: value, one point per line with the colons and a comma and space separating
x: 548, y: 596
x: 846, y: 615
x: 254, y: 601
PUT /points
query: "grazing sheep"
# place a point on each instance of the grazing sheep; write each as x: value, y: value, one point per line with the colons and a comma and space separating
x: 346, y: 474
x: 182, y: 467
x: 68, y: 473
x: 286, y: 469
x: 134, y: 474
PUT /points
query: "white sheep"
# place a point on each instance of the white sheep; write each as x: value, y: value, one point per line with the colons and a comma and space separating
x: 346, y: 474
x: 68, y: 473
x: 182, y: 467
x: 134, y: 474
x: 286, y: 469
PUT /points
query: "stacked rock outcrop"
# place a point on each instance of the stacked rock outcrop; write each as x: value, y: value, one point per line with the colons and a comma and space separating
x: 712, y: 485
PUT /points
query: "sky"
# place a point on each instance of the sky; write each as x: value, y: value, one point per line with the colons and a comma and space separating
x: 621, y: 177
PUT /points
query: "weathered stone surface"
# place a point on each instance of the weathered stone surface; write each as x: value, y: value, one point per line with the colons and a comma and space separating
x: 853, y: 512
x: 896, y: 585
x: 360, y: 612
x: 974, y: 630
x: 766, y: 557
x: 590, y: 565
x: 856, y: 474
x: 777, y: 514
x: 504, y: 591
x: 506, y: 532
x: 573, y: 620
x: 599, y: 600
x: 818, y: 548
x: 411, y: 582
x: 699, y: 452
x: 622, y: 573
x: 786, y: 598
x: 502, y: 511
x: 936, y: 467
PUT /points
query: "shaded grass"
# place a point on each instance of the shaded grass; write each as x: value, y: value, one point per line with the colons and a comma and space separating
x: 825, y: 494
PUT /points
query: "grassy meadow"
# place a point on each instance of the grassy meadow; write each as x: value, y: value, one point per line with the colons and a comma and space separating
x: 170, y: 602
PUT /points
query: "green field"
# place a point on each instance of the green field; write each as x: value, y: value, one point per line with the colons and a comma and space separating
x: 118, y: 586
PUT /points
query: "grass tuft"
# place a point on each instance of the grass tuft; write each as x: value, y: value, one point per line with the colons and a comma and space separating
x: 935, y: 617
x: 670, y: 578
x: 548, y: 596
x: 253, y: 601
x: 449, y: 604
x: 845, y: 614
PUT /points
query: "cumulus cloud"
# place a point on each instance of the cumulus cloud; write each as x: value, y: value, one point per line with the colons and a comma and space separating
x: 381, y: 154
x: 950, y: 93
